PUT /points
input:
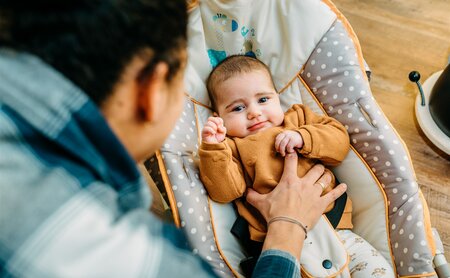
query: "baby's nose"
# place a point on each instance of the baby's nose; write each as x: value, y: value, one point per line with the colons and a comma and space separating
x: 253, y: 112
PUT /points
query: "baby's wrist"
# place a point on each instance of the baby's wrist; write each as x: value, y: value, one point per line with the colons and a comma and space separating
x: 211, y: 141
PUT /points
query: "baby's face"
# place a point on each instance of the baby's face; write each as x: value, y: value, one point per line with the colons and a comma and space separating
x: 248, y: 104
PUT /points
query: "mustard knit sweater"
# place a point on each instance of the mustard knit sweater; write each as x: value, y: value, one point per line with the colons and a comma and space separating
x: 227, y: 168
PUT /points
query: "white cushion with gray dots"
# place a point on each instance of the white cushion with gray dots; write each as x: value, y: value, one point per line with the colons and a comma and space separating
x: 336, y: 78
x: 316, y: 60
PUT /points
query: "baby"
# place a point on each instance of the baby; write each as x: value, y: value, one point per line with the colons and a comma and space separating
x: 240, y: 145
x: 244, y: 143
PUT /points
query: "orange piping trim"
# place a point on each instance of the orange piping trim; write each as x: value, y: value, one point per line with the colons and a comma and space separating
x: 292, y: 80
x: 385, y: 205
x: 388, y: 231
x: 337, y: 236
x: 361, y: 61
x: 426, y: 214
x: 168, y: 186
x: 427, y: 221
x: 197, y: 124
x: 196, y: 101
x: 361, y: 64
x: 345, y: 266
x: 419, y: 275
x: 217, y: 243
x: 351, y: 33
x: 209, y: 204
x: 312, y: 94
x: 370, y: 171
x: 192, y: 4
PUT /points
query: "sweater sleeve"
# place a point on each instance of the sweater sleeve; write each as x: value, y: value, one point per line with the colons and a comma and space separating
x: 276, y: 263
x: 324, y: 137
x: 221, y: 171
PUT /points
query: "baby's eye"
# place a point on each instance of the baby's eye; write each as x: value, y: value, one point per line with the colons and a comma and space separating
x: 238, y: 108
x: 263, y: 99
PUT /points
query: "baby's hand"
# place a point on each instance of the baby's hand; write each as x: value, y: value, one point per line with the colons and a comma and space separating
x: 214, y: 131
x: 287, y: 140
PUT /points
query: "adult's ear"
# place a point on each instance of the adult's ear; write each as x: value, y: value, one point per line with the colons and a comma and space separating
x: 153, y: 93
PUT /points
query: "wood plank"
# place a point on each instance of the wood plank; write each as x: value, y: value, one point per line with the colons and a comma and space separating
x: 397, y: 37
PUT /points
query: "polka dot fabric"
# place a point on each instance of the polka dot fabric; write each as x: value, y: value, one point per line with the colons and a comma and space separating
x: 310, y: 52
x: 334, y: 75
x: 190, y: 201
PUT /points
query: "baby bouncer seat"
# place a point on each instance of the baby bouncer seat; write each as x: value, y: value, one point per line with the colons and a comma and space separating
x: 315, y: 59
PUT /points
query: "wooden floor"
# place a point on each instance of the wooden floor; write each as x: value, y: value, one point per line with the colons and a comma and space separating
x: 397, y: 37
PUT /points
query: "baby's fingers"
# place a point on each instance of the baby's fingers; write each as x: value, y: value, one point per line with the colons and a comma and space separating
x: 278, y: 140
x: 283, y: 145
x: 212, y: 125
x: 222, y: 129
x: 208, y: 131
x: 217, y: 120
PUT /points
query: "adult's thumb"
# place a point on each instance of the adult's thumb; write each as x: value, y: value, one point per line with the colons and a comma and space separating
x: 253, y: 198
x: 290, y: 167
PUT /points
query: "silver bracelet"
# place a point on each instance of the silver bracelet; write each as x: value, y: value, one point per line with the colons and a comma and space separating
x: 291, y: 220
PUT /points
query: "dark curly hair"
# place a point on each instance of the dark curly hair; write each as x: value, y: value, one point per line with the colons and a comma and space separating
x: 92, y: 41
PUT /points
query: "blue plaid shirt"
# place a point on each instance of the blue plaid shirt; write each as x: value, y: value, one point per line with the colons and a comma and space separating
x: 72, y: 201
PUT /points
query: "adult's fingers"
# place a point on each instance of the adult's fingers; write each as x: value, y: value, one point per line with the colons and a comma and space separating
x: 324, y: 181
x: 290, y: 167
x: 314, y: 174
x: 333, y: 195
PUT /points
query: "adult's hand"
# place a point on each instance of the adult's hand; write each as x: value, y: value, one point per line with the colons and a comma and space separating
x: 297, y: 198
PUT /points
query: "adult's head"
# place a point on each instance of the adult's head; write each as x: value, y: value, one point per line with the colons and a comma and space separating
x: 127, y: 56
x: 243, y: 94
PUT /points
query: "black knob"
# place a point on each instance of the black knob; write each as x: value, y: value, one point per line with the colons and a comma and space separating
x: 414, y: 76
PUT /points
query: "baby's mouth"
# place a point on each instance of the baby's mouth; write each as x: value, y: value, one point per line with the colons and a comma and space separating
x: 257, y: 126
